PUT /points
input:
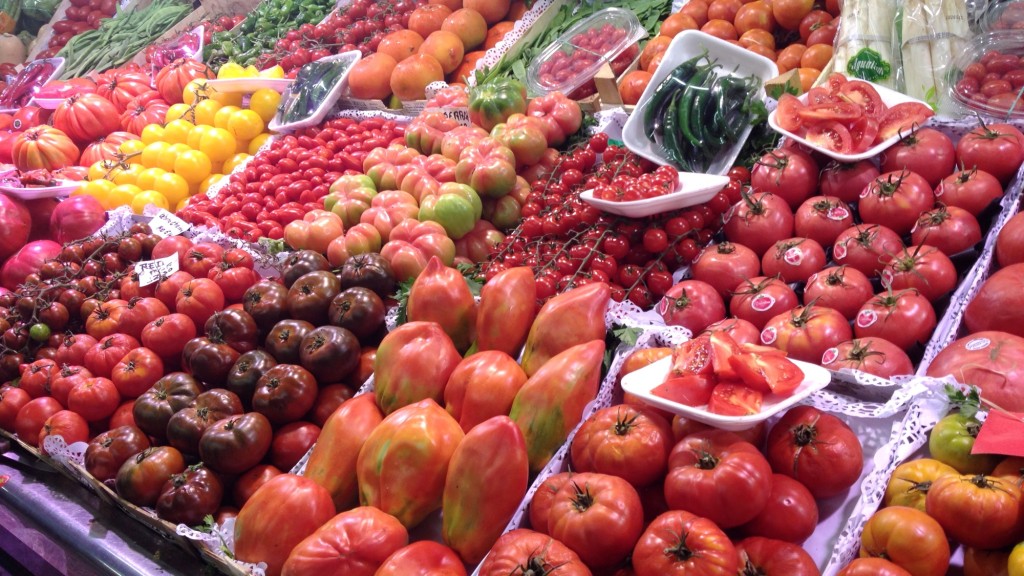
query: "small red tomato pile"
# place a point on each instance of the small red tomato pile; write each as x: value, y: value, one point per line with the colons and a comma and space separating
x: 993, y: 83
x: 627, y: 188
x: 730, y: 379
x: 583, y: 52
x: 847, y: 116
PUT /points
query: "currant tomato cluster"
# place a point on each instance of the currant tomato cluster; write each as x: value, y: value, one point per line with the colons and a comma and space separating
x: 284, y: 182
x: 626, y: 188
x: 570, y: 243
x: 359, y: 26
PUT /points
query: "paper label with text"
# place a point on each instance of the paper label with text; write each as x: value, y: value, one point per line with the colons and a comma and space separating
x: 166, y: 224
x: 153, y: 271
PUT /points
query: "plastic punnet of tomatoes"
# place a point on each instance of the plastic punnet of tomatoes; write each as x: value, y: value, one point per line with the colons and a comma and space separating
x: 570, y: 63
x: 988, y: 76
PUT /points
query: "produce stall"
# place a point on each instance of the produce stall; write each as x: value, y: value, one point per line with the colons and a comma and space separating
x: 503, y: 287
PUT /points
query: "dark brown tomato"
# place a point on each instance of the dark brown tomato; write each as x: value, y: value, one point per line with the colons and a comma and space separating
x: 246, y: 372
x: 369, y: 271
x: 109, y: 450
x: 267, y: 302
x: 302, y: 262
x: 235, y: 327
x: 285, y: 393
x: 359, y: 310
x: 330, y: 353
x: 310, y: 296
x: 171, y: 393
x: 285, y: 340
x: 209, y: 360
x: 188, y: 497
x: 186, y: 427
x: 235, y: 444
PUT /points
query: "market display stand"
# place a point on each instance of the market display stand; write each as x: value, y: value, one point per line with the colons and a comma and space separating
x: 50, y: 525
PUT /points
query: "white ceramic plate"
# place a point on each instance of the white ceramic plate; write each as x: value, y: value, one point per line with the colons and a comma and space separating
x: 733, y: 60
x: 646, y: 379
x: 250, y: 85
x: 64, y: 189
x: 889, y: 97
x: 694, y: 189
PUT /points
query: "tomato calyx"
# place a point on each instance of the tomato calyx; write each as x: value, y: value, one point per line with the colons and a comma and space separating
x: 755, y: 289
x: 680, y: 550
x: 935, y: 217
x: 273, y: 383
x: 966, y: 176
x: 582, y: 499
x: 805, y: 435
x: 800, y: 320
x: 143, y: 455
x: 536, y: 566
x: 986, y: 483
x: 782, y: 247
x: 861, y: 351
x: 887, y: 187
x: 755, y: 207
x: 777, y: 162
x: 749, y: 569
x: 726, y: 248
x: 836, y: 277
x: 988, y: 133
x: 624, y: 425
x: 706, y: 460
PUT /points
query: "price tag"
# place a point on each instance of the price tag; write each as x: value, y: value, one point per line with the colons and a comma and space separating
x: 152, y: 271
x: 166, y: 224
x: 460, y: 115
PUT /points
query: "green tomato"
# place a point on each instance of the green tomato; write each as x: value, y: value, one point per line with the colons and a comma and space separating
x: 455, y: 213
x: 951, y: 441
x: 39, y: 332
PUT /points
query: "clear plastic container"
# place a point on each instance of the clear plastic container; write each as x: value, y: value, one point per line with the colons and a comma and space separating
x: 999, y: 57
x: 1002, y: 16
x: 302, y: 88
x: 20, y: 91
x: 575, y: 57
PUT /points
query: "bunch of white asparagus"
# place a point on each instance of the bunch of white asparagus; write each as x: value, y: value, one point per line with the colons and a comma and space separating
x: 932, y: 34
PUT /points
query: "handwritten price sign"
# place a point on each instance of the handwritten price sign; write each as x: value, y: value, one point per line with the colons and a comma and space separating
x: 152, y: 271
x: 166, y: 224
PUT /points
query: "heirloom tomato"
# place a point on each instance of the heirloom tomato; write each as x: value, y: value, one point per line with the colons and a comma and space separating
x: 873, y: 567
x: 32, y: 416
x: 482, y: 386
x: 725, y: 266
x: 355, y: 542
x: 791, y: 514
x: 631, y: 442
x: 236, y: 443
x: 285, y: 393
x: 136, y: 372
x: 570, y: 318
x: 678, y: 543
x: 817, y: 449
x: 423, y: 558
x: 805, y: 332
x: 692, y: 304
x: 109, y: 450
x: 598, y: 516
x: 190, y: 496
x: 976, y: 510
x: 908, y: 538
x: 70, y: 426
x: 543, y: 498
x: 951, y: 442
x: 525, y: 550
x: 770, y: 557
x: 154, y: 408
x: 142, y: 476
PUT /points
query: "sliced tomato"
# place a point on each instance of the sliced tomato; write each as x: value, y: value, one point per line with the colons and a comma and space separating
x: 864, y: 95
x: 787, y: 114
x: 760, y: 349
x: 734, y: 400
x: 902, y: 117
x: 691, y: 390
x: 833, y: 112
x: 723, y: 348
x: 834, y: 83
x: 768, y: 374
x: 831, y: 136
x: 693, y: 357
x: 863, y: 134
x: 818, y: 96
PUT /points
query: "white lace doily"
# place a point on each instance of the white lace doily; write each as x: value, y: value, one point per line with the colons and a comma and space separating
x: 59, y: 450
x: 522, y: 28
x: 220, y: 541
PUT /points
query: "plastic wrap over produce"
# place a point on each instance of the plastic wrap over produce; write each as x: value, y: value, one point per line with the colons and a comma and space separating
x: 521, y: 28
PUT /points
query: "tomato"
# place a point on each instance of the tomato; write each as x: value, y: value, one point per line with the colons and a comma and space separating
x: 924, y: 151
x: 248, y: 483
x: 11, y: 401
x: 201, y: 258
x: 767, y: 373
x: 873, y: 567
x: 291, y: 442
x: 69, y: 425
x: 773, y: 557
x: 236, y: 443
x: 136, y: 372
x: 922, y: 268
x: 167, y: 335
x: 806, y: 332
x: 951, y: 441
x: 817, y: 449
x: 841, y: 288
x: 138, y: 313
x: 109, y: 450
x: 949, y: 228
x: 908, y: 538
x: 43, y: 147
x: 977, y: 510
x: 105, y: 319
x: 234, y: 281
x: 791, y: 514
x: 678, y: 543
x: 871, y: 355
x: 521, y: 548
x: 758, y: 221
x: 728, y: 399
x: 167, y: 289
x: 285, y: 393
x: 866, y: 247
x: 911, y: 481
x: 1010, y: 242
x: 862, y: 94
x: 904, y: 318
x: 996, y: 148
x: 996, y: 291
x: 482, y: 386
x: 74, y: 348
x: 822, y: 219
x: 978, y: 562
x: 691, y: 304
x: 759, y: 299
x: 266, y: 301
x: 724, y: 266
x: 170, y: 394
x: 423, y: 558
x: 142, y: 476
x: 689, y: 389
x: 627, y: 441
x: 209, y: 360
x: 95, y: 399
x: 199, y: 299
x: 832, y: 136
x: 37, y: 378
x: 354, y: 542
x: 290, y: 512
x: 718, y: 475
x: 793, y: 259
x: 788, y: 173
x: 543, y: 498
x: 741, y: 331
x: 846, y: 181
x: 902, y: 117
x: 787, y: 114
x: 896, y: 200
x: 598, y: 516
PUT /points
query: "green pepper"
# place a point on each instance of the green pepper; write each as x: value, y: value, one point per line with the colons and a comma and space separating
x: 492, y: 103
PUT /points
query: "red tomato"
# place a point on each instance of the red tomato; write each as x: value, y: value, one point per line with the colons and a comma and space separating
x: 12, y: 399
x: 977, y: 510
x: 68, y: 425
x: 354, y: 542
x: 873, y: 355
x: 873, y: 567
x: 847, y: 181
x: 972, y: 189
x: 788, y: 173
x: 201, y: 258
x: 627, y: 441
x: 995, y: 307
x: 949, y: 228
x: 924, y: 151
x: 167, y: 335
x: 787, y: 114
x: 767, y: 373
x: 822, y: 219
x: 528, y: 548
x: 908, y: 538
x: 724, y: 266
x: 691, y: 304
x: 712, y: 554
x: 729, y: 399
x: 688, y: 389
x: 423, y: 558
x: 136, y: 372
x: 741, y: 331
x: 598, y: 516
x: 832, y: 136
x: 896, y: 200
x: 94, y: 398
x: 817, y: 449
x: 249, y: 482
x: 761, y: 298
x: 719, y: 476
x: 806, y: 332
x: 172, y: 245
x: 904, y: 318
x: 1010, y: 242
x: 758, y: 221
x: 842, y: 288
x: 924, y: 268
x: 864, y: 95
x: 199, y: 299
x: 139, y: 312
x: 291, y: 442
x: 793, y: 259
x: 866, y: 247
x: 996, y: 148
x: 31, y: 417
x: 167, y: 289
x: 104, y: 320
x: 37, y: 378
x: 543, y: 498
x: 902, y: 117
x: 773, y: 557
x: 791, y: 513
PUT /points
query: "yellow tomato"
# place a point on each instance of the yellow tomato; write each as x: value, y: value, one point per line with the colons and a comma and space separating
x: 231, y: 163
x: 151, y: 153
x: 128, y: 175
x: 95, y: 188
x: 218, y: 144
x: 210, y: 181
x: 220, y: 120
x: 99, y: 170
x: 148, y: 177
x: 256, y: 143
x: 196, y: 90
x: 168, y: 156
x: 177, y: 131
x: 173, y: 187
x: 196, y: 135
x: 147, y: 197
x: 272, y: 72
x: 152, y: 133
x: 227, y: 98
x: 206, y: 111
x: 120, y: 195
x: 265, y: 102
x: 193, y: 165
x: 178, y: 111
x: 245, y: 125
x: 133, y: 150
x: 230, y: 70
x: 217, y: 168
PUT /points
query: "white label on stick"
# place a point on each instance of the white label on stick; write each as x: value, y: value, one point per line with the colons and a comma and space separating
x: 153, y: 271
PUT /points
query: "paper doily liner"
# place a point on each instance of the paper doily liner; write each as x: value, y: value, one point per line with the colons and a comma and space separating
x: 217, y: 541
x: 62, y: 453
x: 522, y: 27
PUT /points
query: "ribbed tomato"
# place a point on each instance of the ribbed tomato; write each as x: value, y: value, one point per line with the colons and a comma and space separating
x: 171, y: 80
x: 86, y: 117
x: 122, y: 87
x: 143, y: 110
x: 43, y: 147
x: 104, y: 148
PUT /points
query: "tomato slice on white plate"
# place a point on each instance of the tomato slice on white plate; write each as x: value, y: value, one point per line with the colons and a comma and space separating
x: 901, y: 117
x: 787, y: 114
x: 864, y: 95
x: 830, y: 136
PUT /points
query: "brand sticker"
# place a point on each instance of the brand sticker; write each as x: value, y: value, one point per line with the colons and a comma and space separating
x: 768, y: 335
x: 762, y: 302
x: 830, y: 356
x: 978, y: 344
x: 866, y: 318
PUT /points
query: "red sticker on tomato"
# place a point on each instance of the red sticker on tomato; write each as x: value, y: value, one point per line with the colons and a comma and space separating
x: 837, y: 213
x: 866, y: 318
x: 762, y: 302
x: 830, y: 355
x: 793, y: 256
x: 768, y: 335
x: 839, y: 251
